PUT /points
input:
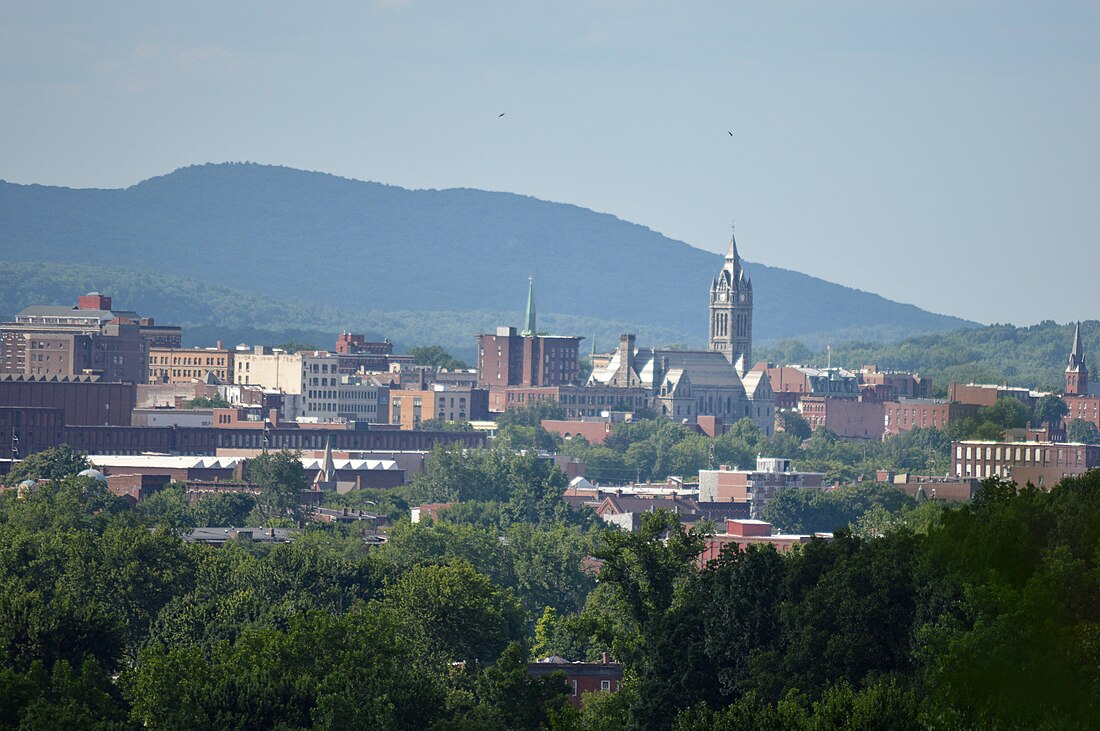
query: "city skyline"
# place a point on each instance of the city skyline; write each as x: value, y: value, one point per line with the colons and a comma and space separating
x: 949, y: 145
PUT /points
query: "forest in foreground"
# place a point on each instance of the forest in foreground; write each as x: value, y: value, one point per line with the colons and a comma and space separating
x: 983, y: 615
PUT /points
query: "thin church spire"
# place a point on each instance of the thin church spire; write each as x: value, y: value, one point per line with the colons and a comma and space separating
x: 529, y: 318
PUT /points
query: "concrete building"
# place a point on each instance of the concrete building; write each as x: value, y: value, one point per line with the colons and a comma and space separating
x: 278, y: 369
x: 185, y: 365
x: 755, y: 487
x: 88, y: 339
x: 507, y: 358
x: 410, y: 407
x: 313, y: 385
x: 1042, y: 464
x: 344, y: 398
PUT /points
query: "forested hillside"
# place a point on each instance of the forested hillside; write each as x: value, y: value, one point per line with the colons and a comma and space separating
x: 1031, y: 357
x: 209, y: 312
x: 370, y: 248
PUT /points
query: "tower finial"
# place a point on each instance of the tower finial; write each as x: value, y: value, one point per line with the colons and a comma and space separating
x: 731, y: 255
x: 529, y: 318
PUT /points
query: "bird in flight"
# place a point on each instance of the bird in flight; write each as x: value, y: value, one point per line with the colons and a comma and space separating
x: 500, y: 115
x: 731, y: 133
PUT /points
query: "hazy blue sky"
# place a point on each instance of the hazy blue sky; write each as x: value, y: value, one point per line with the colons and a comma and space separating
x: 939, y: 153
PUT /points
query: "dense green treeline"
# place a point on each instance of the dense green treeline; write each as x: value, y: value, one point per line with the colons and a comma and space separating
x: 991, y: 619
x: 1030, y: 357
x: 919, y: 616
x: 652, y: 449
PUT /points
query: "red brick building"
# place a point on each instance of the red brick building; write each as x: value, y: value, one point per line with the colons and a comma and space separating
x: 849, y: 418
x: 894, y: 385
x: 576, y: 401
x: 791, y: 383
x: 903, y: 415
x: 581, y: 677
x: 356, y: 353
x: 83, y: 399
x: 90, y: 338
x: 745, y: 532
x: 1042, y: 464
x: 1077, y: 373
x: 507, y: 358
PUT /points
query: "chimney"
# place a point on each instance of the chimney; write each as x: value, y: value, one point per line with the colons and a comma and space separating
x: 93, y: 301
x: 605, y: 658
x: 220, y: 345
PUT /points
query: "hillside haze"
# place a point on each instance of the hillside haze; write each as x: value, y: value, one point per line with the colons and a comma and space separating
x: 316, y: 239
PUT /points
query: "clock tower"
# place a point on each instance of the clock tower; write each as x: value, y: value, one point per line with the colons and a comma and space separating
x: 731, y: 312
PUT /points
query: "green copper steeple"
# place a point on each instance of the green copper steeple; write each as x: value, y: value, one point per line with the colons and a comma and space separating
x: 529, y: 319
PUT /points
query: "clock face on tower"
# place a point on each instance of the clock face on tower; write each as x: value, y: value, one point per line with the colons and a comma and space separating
x: 722, y: 297
x: 742, y: 296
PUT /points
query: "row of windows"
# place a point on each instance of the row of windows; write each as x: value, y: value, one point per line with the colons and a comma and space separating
x: 1038, y: 455
x: 188, y: 360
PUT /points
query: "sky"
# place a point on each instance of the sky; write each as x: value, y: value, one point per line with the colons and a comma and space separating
x: 943, y: 154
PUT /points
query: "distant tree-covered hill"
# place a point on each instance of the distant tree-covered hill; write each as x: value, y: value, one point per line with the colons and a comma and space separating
x: 347, y: 247
x: 210, y: 312
x: 1031, y: 357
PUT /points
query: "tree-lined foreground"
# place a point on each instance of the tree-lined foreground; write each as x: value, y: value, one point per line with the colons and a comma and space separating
x: 987, y: 617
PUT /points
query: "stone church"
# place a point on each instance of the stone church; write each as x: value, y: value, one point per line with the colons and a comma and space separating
x: 686, y: 384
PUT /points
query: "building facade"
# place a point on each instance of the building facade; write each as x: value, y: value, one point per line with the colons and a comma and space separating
x: 905, y: 414
x: 184, y: 365
x: 408, y: 408
x: 754, y: 487
x: 575, y: 401
x: 1042, y: 464
x: 848, y: 418
x: 89, y: 339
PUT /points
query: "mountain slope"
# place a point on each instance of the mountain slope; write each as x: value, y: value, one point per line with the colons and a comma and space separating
x: 358, y: 246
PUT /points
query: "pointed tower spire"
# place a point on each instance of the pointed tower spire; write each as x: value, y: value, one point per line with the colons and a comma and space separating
x: 529, y: 318
x: 328, y: 466
x: 1077, y: 355
x: 1077, y: 373
x: 731, y: 255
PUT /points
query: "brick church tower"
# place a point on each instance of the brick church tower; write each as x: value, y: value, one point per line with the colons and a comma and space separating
x: 731, y: 312
x: 1077, y: 374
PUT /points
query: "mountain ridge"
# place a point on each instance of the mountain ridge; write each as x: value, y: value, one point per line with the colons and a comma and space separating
x: 274, y: 230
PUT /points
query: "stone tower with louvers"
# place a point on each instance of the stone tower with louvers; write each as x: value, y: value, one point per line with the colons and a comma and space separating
x: 731, y: 312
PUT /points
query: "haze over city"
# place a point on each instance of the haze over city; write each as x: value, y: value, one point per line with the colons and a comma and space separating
x: 951, y: 146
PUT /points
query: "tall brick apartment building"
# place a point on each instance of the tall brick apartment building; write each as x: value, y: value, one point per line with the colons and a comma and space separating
x: 507, y: 358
